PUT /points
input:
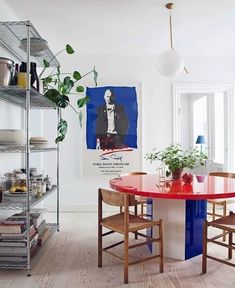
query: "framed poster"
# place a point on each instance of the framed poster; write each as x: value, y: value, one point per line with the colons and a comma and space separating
x: 112, y: 133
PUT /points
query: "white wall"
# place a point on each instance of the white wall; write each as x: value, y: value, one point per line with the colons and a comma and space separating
x: 10, y: 114
x: 156, y: 112
x: 77, y: 192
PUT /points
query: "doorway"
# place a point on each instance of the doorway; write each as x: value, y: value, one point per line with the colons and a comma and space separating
x: 207, y: 111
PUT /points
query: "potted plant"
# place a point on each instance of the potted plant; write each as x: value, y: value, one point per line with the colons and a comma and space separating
x: 176, y: 159
x: 57, y: 87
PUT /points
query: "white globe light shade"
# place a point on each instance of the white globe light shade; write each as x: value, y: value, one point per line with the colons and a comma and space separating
x: 170, y: 63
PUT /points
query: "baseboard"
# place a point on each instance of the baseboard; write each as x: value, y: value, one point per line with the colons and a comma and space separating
x: 82, y: 208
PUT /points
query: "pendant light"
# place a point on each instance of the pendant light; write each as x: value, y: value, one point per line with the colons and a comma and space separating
x: 170, y: 62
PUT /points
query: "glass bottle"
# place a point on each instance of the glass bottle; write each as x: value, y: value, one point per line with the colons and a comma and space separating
x: 23, y: 67
x: 36, y: 76
x: 39, y: 188
x: 48, y: 183
x: 15, y: 77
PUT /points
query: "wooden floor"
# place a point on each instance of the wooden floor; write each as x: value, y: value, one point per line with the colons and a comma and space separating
x: 70, y: 260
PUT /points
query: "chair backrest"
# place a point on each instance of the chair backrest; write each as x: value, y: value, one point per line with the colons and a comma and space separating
x: 115, y: 198
x: 132, y: 173
x: 222, y: 174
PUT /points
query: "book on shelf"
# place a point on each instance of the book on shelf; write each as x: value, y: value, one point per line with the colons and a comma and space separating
x: 16, y: 251
x: 36, y: 218
x: 42, y: 238
x: 13, y: 260
x: 41, y: 227
x: 21, y: 235
x: 10, y: 252
x: 12, y: 228
x: 10, y: 243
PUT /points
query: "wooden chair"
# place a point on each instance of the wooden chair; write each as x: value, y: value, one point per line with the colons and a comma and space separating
x: 227, y: 224
x: 125, y: 223
x: 219, y: 202
x: 140, y: 201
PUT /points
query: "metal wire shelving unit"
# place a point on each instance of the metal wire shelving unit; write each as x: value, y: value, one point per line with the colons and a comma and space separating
x: 11, y: 36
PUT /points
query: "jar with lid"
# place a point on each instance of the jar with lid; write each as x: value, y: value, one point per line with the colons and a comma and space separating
x: 48, y: 183
x: 44, y: 187
x: 2, y: 187
x: 10, y: 180
x: 39, y: 188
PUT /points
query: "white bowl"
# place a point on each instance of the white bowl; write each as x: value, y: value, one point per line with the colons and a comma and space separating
x: 12, y: 136
x: 38, y: 46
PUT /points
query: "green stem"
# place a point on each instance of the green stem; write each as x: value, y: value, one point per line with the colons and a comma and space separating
x: 51, y: 61
x: 73, y: 108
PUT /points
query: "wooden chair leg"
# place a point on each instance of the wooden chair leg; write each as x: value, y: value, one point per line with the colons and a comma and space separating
x: 161, y: 247
x: 142, y: 209
x: 224, y: 214
x: 100, y: 246
x: 213, y: 212
x: 120, y: 209
x: 230, y: 241
x: 136, y: 213
x: 126, y: 258
x: 204, y: 248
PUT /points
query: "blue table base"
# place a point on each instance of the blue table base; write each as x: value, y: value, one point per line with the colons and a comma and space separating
x: 194, y: 219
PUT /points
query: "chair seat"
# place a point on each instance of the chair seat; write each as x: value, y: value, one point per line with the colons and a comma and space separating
x: 140, y: 199
x: 221, y: 201
x: 227, y: 222
x: 116, y: 223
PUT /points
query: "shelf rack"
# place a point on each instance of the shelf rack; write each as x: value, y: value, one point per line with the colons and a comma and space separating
x: 11, y: 36
x: 10, y: 203
x: 52, y: 229
x: 17, y: 96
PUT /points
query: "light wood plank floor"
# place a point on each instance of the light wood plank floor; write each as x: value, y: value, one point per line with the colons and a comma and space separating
x: 70, y: 260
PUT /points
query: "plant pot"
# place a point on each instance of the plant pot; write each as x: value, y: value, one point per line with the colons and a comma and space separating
x: 176, y: 174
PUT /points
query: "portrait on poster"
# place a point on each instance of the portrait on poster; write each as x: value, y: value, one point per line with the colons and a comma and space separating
x: 112, y: 136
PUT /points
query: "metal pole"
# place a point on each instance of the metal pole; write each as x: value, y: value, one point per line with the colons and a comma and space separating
x: 171, y: 40
x: 58, y: 173
x: 27, y: 154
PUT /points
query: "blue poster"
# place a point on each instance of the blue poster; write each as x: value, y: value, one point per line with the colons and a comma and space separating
x: 112, y: 115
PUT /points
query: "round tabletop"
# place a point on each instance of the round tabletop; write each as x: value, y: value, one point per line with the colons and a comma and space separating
x: 201, y: 187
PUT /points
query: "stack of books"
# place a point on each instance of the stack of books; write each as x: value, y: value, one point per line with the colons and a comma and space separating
x: 13, y: 237
x: 13, y: 244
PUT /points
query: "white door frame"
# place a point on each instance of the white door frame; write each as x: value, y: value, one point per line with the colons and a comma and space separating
x: 227, y: 88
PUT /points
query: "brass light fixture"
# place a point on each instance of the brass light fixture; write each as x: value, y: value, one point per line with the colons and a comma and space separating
x: 170, y: 62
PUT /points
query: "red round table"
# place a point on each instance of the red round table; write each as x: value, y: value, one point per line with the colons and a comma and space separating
x: 182, y: 206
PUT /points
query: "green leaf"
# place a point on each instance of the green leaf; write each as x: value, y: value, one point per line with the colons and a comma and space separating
x: 77, y: 75
x: 80, y: 118
x: 47, y: 80
x: 83, y: 101
x: 62, y: 127
x: 62, y: 101
x: 59, y: 139
x: 62, y: 130
x: 67, y: 85
x: 46, y: 63
x: 80, y: 89
x: 69, y: 49
x: 95, y: 76
x: 52, y: 95
x: 66, y: 80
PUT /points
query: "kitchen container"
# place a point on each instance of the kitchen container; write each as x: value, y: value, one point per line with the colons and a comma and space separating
x: 12, y: 137
x: 6, y: 71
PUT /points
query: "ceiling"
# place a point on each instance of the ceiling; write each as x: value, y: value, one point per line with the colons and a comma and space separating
x: 202, y: 28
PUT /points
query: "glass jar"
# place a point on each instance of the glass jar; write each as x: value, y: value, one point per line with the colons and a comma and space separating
x: 39, y: 188
x: 10, y: 180
x: 48, y: 183
x: 2, y: 183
